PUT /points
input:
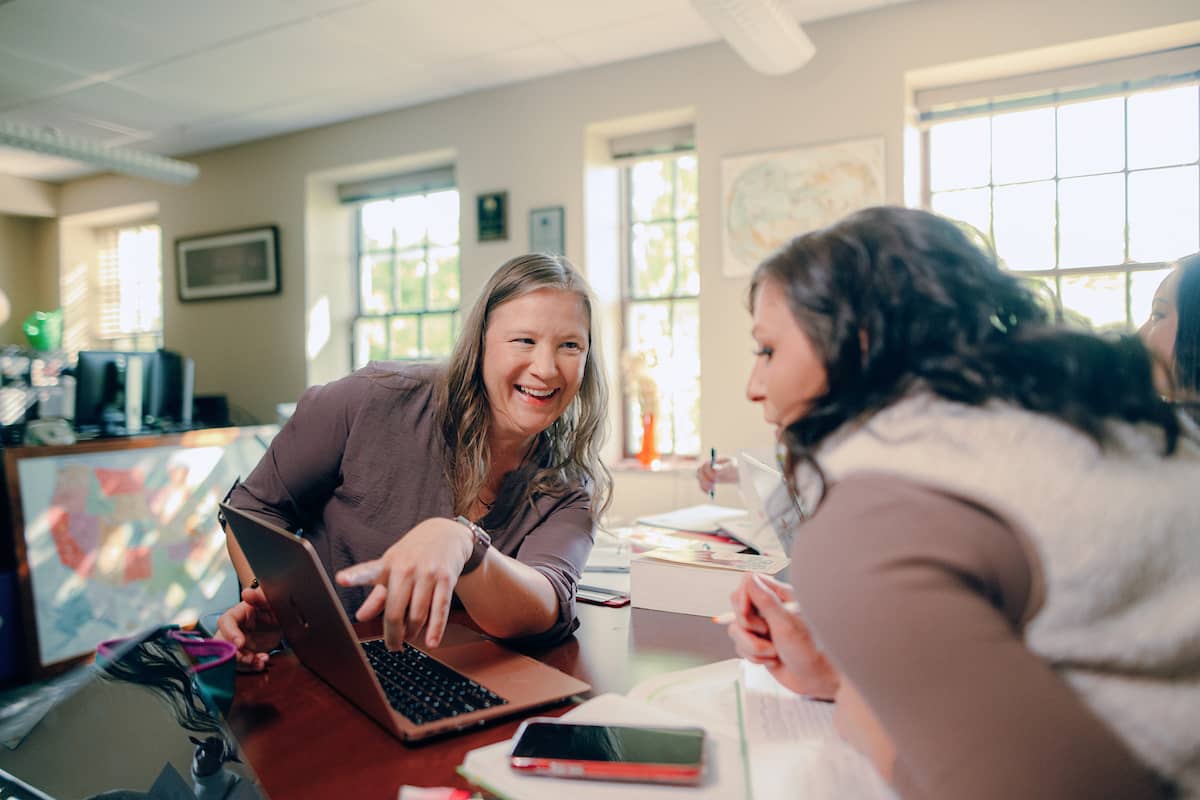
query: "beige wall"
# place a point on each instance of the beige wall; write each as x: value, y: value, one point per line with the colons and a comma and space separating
x: 20, y: 272
x: 530, y: 140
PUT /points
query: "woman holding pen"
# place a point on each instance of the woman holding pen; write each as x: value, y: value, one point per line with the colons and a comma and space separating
x: 998, y: 585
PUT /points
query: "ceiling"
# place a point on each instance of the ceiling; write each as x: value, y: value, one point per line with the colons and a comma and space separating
x: 180, y: 76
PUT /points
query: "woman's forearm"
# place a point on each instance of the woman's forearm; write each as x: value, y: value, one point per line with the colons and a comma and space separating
x: 508, y: 599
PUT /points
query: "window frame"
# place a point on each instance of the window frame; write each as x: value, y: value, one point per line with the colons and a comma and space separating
x: 123, y: 340
x: 629, y: 300
x: 454, y: 313
x: 1055, y: 100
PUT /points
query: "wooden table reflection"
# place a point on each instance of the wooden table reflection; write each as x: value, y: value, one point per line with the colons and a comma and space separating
x: 305, y: 741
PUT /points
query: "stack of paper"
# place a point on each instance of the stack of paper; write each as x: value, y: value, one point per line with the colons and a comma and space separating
x: 764, y: 742
x: 694, y: 581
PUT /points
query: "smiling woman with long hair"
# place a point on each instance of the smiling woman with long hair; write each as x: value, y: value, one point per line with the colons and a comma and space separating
x: 478, y: 479
x: 1000, y: 581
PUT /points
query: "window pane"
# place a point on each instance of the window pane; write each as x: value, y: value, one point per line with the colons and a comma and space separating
x: 683, y: 378
x: 405, y: 338
x: 1091, y: 137
x: 688, y: 234
x: 1142, y: 286
x: 376, y: 229
x: 438, y: 332
x: 1164, y: 219
x: 443, y: 278
x: 687, y: 193
x: 1091, y: 219
x: 1098, y: 297
x: 443, y: 217
x: 652, y: 256
x: 410, y: 291
x: 972, y: 206
x: 410, y: 217
x: 1163, y: 127
x: 959, y: 154
x: 378, y: 284
x: 370, y: 341
x: 649, y: 330
x: 1023, y: 146
x: 650, y: 190
x: 1024, y: 225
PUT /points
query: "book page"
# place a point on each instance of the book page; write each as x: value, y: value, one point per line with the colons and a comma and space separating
x: 705, y: 518
x: 793, y: 748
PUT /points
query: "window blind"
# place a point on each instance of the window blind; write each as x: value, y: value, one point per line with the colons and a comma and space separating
x: 1093, y: 81
x: 421, y: 182
x: 128, y: 283
x: 653, y: 143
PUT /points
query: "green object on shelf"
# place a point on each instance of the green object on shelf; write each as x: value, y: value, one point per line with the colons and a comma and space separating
x: 43, y: 329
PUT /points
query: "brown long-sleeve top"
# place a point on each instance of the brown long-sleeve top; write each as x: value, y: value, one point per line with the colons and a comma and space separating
x: 919, y: 598
x: 361, y: 461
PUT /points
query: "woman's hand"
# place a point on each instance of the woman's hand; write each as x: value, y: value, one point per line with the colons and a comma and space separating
x: 765, y: 631
x: 414, y: 581
x: 251, y: 627
x: 725, y: 471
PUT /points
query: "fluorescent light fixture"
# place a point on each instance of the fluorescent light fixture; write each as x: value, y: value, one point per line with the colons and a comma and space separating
x: 765, y: 35
x: 117, y: 159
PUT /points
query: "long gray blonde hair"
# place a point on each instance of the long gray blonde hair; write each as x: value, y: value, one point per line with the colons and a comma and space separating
x: 567, y: 452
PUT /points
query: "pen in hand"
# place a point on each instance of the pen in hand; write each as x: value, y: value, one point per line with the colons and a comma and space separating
x: 728, y: 617
x: 712, y: 462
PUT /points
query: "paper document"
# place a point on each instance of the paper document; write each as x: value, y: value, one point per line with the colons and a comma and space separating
x: 793, y: 749
x: 705, y: 518
x: 740, y: 562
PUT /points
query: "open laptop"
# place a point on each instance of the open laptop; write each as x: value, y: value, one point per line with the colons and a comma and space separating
x: 413, y: 693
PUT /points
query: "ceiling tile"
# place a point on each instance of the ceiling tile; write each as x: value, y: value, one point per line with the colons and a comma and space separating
x: 655, y: 34
x: 429, y: 32
x: 551, y: 18
x: 190, y: 26
x: 44, y: 115
x: 118, y: 107
x: 509, y: 66
x: 303, y: 59
x: 77, y: 35
x: 22, y: 79
x: 813, y: 10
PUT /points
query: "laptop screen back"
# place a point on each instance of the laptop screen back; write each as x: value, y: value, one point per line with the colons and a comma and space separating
x: 139, y: 727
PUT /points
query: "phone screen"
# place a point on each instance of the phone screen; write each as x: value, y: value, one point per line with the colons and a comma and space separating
x: 610, y: 743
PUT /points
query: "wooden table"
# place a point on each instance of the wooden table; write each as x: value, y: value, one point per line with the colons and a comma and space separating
x: 305, y: 741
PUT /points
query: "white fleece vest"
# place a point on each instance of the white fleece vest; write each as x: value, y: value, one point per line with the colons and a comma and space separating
x: 1117, y: 540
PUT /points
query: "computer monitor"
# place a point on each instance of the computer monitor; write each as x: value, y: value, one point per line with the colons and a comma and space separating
x: 164, y: 402
x: 100, y: 378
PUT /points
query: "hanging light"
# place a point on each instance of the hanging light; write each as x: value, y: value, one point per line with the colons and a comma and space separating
x: 117, y: 159
x: 765, y: 35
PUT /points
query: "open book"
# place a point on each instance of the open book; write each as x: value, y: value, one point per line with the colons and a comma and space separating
x: 764, y: 743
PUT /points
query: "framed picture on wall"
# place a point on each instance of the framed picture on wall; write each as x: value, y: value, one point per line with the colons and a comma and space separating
x: 546, y: 231
x: 493, y: 216
x: 232, y: 264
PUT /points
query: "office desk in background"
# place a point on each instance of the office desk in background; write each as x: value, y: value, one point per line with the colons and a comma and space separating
x: 305, y: 741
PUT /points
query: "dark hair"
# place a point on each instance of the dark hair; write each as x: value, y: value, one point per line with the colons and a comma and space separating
x: 895, y: 298
x: 1187, y: 336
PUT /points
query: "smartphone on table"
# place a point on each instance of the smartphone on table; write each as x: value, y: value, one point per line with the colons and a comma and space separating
x: 643, y: 754
x: 601, y: 596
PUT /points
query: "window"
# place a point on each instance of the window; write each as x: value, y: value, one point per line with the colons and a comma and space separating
x: 127, y: 301
x: 1088, y: 191
x: 408, y: 277
x: 661, y: 303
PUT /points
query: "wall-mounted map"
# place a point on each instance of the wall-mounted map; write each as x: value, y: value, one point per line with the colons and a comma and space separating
x: 125, y: 539
x: 769, y: 198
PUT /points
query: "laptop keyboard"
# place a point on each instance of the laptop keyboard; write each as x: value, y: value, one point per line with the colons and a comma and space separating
x: 422, y: 688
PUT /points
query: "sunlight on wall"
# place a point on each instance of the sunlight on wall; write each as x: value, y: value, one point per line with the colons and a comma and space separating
x: 319, y: 327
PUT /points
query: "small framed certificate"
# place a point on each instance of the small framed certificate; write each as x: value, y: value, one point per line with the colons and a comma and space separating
x: 546, y: 231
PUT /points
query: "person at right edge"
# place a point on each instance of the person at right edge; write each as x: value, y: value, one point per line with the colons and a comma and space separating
x: 1000, y: 586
